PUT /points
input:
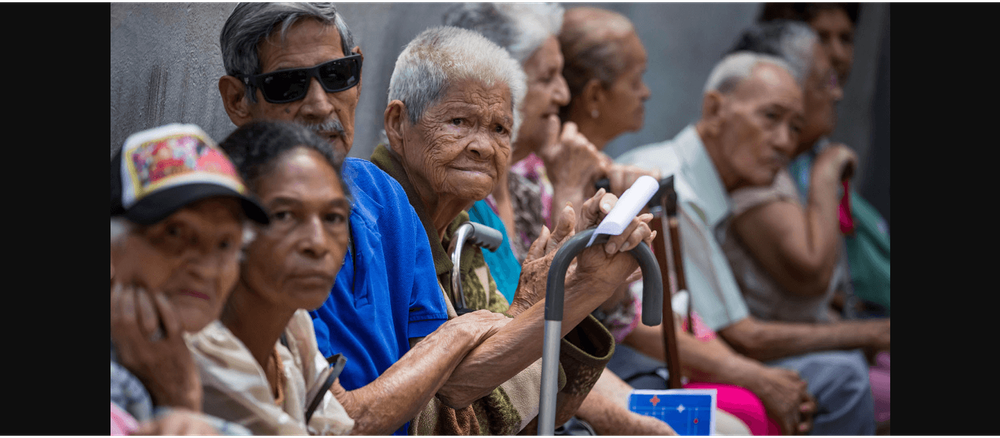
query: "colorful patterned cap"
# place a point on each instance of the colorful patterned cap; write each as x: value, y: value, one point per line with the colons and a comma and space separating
x: 160, y: 170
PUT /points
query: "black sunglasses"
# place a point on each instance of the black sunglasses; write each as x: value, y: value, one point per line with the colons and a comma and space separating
x: 289, y: 85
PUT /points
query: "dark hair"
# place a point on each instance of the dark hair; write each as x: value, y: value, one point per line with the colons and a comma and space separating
x: 806, y: 11
x: 255, y: 147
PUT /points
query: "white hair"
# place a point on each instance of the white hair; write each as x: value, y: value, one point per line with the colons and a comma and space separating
x: 736, y: 67
x: 441, y: 56
x: 521, y: 28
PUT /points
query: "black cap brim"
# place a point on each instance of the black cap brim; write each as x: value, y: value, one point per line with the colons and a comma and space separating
x: 157, y: 206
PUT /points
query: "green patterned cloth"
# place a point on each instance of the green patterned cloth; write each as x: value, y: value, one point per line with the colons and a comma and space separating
x: 512, y: 405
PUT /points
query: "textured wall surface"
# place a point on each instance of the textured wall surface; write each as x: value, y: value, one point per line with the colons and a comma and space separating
x: 166, y: 62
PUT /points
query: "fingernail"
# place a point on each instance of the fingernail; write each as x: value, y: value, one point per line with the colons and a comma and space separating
x: 605, y: 207
x: 610, y: 249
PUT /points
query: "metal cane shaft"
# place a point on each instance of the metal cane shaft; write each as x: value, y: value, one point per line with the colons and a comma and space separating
x: 652, y: 290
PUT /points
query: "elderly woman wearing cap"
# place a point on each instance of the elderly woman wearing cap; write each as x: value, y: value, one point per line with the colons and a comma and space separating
x: 177, y: 223
x: 449, y: 123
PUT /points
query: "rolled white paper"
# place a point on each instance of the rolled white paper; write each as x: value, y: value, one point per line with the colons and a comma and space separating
x: 628, y: 206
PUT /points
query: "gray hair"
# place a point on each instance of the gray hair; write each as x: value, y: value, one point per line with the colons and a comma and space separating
x: 736, y: 67
x: 792, y: 41
x: 440, y: 56
x: 251, y: 23
x: 521, y: 28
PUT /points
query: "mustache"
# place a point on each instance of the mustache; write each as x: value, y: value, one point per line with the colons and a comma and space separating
x: 333, y: 125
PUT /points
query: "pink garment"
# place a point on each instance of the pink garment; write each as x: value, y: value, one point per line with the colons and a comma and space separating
x: 532, y: 168
x: 122, y: 423
x: 701, y: 330
x: 879, y: 377
x: 742, y: 404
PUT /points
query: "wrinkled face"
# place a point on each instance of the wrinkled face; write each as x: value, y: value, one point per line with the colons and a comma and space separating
x: 625, y: 106
x: 820, y: 96
x: 761, y: 121
x: 293, y: 262
x: 836, y: 34
x: 461, y: 146
x: 192, y: 256
x: 309, y: 43
x: 547, y: 92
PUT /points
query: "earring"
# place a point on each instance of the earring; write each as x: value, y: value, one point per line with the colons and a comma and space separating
x: 594, y: 113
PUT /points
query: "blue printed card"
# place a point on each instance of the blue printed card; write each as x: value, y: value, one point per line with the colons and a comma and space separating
x: 687, y: 411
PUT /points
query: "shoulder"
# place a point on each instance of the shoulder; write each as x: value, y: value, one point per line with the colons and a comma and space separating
x: 374, y: 189
x: 660, y: 156
x: 366, y: 176
x: 782, y: 189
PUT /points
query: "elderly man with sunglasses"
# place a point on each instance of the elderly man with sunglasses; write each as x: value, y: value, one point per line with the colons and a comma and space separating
x: 298, y: 62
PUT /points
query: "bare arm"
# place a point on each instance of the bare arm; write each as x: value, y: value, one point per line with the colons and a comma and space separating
x: 799, y: 245
x: 707, y: 361
x: 403, y: 390
x: 772, y: 340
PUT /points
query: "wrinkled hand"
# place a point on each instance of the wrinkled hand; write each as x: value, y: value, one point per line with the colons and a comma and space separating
x: 837, y: 162
x: 606, y: 265
x: 572, y: 161
x: 786, y: 399
x: 538, y: 260
x: 476, y: 327
x: 177, y: 422
x: 159, y: 358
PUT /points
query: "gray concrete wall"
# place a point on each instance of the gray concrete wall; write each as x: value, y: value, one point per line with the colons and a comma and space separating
x: 166, y: 62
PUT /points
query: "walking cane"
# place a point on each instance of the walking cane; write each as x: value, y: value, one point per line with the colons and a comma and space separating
x: 478, y: 235
x: 663, y: 206
x: 652, y: 292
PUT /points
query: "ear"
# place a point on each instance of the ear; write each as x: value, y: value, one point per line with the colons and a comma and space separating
x: 593, y: 95
x: 711, y: 112
x: 395, y: 117
x: 234, y: 99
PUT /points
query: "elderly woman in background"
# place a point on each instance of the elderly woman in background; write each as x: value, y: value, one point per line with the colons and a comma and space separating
x: 449, y: 122
x: 261, y: 365
x: 177, y: 223
x: 550, y: 165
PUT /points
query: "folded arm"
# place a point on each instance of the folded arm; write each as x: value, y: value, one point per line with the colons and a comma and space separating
x: 403, y: 390
x: 772, y: 340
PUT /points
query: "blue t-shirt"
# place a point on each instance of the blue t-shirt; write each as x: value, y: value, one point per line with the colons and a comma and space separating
x: 387, y: 290
x: 504, y: 268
